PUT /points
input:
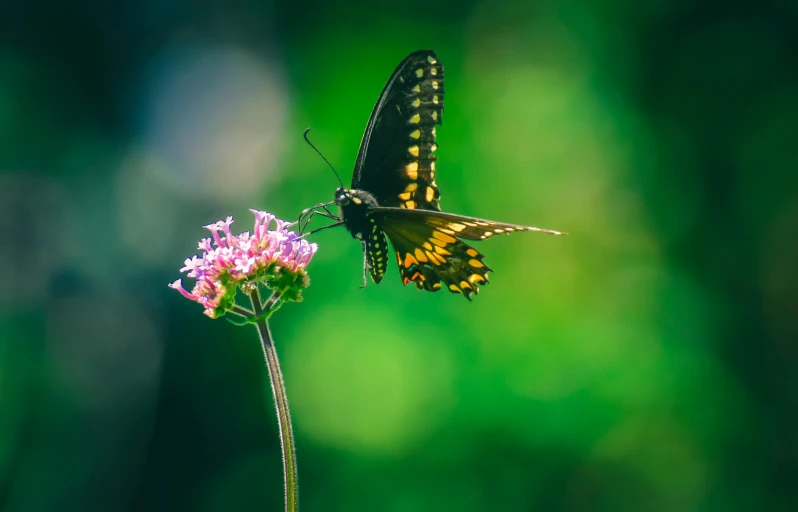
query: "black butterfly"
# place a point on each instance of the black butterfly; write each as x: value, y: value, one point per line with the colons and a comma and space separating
x: 394, y: 194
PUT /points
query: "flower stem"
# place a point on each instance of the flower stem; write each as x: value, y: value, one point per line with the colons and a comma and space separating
x: 238, y: 310
x: 280, y: 401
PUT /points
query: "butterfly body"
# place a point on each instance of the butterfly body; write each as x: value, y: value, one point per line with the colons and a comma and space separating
x: 354, y: 206
x: 394, y: 194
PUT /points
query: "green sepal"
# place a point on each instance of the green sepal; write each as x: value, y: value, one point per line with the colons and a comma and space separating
x: 239, y: 321
x: 264, y: 315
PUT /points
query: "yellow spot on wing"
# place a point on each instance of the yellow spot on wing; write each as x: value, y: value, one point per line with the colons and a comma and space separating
x: 410, y: 205
x: 434, y: 115
x: 434, y: 258
x: 433, y: 71
x: 476, y: 278
x: 435, y: 99
x: 411, y: 187
x: 436, y: 286
x: 442, y: 251
x: 443, y: 238
x: 430, y: 195
x: 431, y: 59
x: 416, y: 88
x: 404, y: 196
x: 476, y: 263
x: 455, y: 226
x: 434, y: 84
x: 413, y: 150
x: 454, y: 288
x: 409, y: 260
x: 472, y: 252
x: 427, y: 246
x: 416, y: 134
x: 420, y: 255
x: 411, y: 170
x: 416, y: 102
x: 415, y: 119
x: 419, y: 72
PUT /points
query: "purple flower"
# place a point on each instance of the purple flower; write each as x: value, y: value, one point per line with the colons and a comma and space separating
x: 276, y: 258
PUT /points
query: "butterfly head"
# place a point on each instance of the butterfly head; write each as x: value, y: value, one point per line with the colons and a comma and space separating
x: 346, y: 198
x: 343, y: 196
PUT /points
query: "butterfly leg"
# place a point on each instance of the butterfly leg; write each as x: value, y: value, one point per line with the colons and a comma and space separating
x: 316, y: 210
x: 334, y: 225
x: 304, y: 213
x: 308, y: 213
x: 304, y: 218
x: 365, y: 266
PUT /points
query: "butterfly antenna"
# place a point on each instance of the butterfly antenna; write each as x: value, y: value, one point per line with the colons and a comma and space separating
x: 305, y: 135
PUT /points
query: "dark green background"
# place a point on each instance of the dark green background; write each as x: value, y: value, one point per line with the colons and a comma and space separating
x: 645, y: 362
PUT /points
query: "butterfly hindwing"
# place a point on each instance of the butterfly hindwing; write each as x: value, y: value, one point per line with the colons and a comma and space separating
x: 396, y: 161
x: 434, y: 260
x: 430, y: 253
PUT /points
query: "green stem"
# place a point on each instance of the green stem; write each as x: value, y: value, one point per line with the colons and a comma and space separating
x: 238, y: 310
x: 280, y: 401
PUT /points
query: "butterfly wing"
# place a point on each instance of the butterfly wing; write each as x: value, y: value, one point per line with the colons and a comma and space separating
x: 396, y: 161
x: 429, y: 250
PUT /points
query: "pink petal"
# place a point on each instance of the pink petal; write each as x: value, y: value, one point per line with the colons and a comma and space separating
x: 178, y: 285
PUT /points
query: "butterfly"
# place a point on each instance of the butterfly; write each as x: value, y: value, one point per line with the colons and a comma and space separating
x: 394, y: 195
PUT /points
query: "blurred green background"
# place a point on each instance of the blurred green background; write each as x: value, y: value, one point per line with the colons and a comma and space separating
x: 646, y: 362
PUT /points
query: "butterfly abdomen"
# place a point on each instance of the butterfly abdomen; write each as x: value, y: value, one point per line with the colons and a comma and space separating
x: 355, y: 205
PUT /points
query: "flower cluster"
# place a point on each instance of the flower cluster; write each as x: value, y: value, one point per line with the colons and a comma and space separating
x: 276, y: 258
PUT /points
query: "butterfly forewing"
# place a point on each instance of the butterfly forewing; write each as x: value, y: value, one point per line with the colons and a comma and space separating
x: 471, y: 228
x: 396, y: 161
